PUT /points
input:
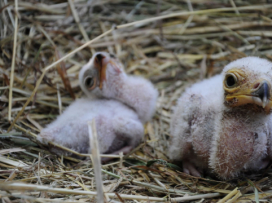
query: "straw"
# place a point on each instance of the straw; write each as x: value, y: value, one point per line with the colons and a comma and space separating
x: 174, y: 44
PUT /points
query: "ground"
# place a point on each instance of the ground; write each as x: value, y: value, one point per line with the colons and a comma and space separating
x: 192, y: 40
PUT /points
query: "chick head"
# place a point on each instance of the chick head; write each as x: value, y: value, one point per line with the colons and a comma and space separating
x: 247, y: 83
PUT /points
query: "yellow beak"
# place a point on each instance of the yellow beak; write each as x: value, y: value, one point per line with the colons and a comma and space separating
x: 101, y: 61
x: 259, y: 93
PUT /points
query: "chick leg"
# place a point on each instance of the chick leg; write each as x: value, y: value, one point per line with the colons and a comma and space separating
x: 184, y: 150
x: 129, y: 134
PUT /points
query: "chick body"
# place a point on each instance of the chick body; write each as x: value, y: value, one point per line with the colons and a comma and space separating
x: 120, y: 105
x: 214, y: 133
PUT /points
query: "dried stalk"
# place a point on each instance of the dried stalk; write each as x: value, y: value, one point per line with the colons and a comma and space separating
x: 96, y: 159
x: 13, y: 59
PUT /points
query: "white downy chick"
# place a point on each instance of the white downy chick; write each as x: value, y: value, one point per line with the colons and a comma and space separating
x: 223, y: 124
x: 119, y: 103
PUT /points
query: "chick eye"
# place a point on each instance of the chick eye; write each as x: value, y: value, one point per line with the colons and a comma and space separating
x: 230, y: 80
x: 89, y: 82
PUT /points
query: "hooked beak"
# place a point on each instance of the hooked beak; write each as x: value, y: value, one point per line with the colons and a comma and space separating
x: 100, y: 62
x: 245, y: 94
x: 262, y: 94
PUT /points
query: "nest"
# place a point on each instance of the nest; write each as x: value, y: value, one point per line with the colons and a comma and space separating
x: 172, y: 43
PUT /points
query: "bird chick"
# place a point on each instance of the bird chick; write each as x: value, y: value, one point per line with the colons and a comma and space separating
x: 223, y: 124
x: 120, y: 105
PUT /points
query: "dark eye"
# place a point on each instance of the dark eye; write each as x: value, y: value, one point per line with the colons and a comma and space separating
x: 230, y: 80
x: 89, y: 82
x: 112, y: 56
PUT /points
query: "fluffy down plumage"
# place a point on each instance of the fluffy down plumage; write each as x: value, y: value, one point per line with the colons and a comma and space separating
x: 119, y: 103
x: 223, y: 124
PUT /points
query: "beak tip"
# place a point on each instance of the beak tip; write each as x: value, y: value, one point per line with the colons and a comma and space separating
x: 264, y: 103
x: 263, y: 93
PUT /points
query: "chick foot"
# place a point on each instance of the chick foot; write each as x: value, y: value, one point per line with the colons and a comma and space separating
x: 190, y: 169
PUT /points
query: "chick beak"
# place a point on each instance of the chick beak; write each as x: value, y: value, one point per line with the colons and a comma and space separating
x: 263, y: 93
x: 101, y: 61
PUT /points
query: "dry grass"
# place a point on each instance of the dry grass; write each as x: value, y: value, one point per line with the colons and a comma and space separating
x: 172, y: 43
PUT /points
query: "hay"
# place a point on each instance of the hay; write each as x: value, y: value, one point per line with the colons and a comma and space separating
x: 172, y: 43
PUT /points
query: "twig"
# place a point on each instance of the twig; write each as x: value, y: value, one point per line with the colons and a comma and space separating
x: 80, y: 27
x: 215, y: 10
x: 96, y: 159
x: 13, y: 59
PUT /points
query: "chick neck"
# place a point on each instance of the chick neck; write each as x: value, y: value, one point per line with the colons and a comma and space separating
x: 135, y: 92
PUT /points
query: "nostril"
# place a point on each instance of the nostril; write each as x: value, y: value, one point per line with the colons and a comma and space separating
x: 99, y: 57
x: 256, y: 85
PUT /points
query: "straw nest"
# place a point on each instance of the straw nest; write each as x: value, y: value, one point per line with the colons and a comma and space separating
x: 172, y: 43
